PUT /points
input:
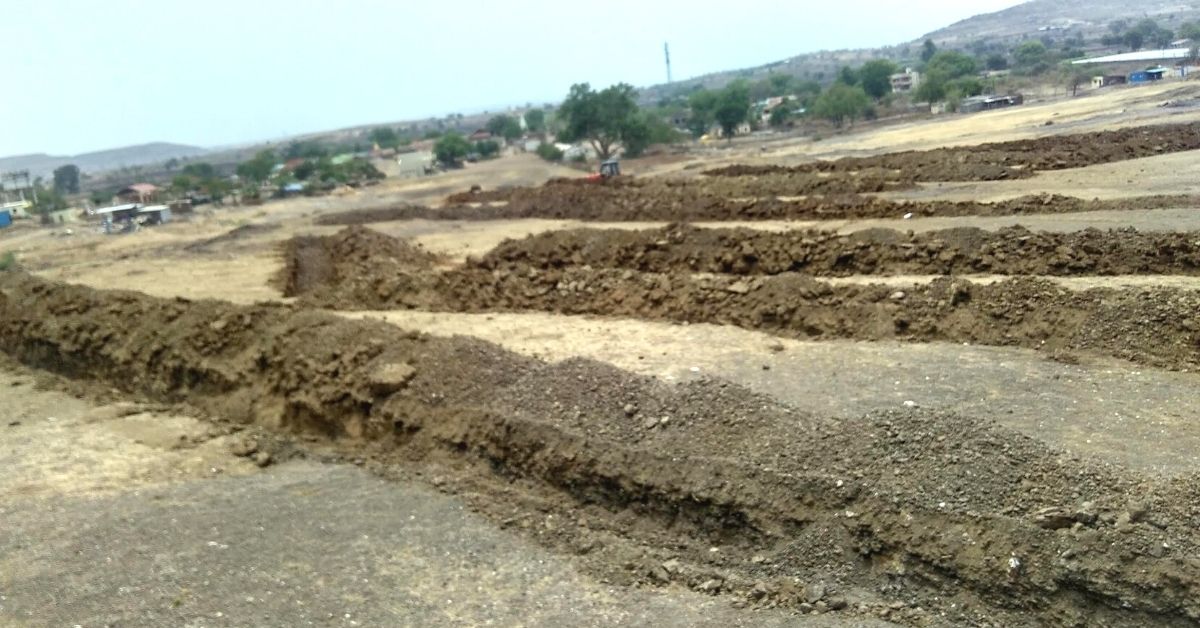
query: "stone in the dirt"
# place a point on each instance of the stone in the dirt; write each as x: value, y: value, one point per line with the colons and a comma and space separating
x: 738, y: 287
x: 262, y: 458
x: 243, y: 447
x: 814, y: 592
x: 897, y: 295
x: 630, y: 409
x: 1054, y: 518
x: 776, y: 346
x: 650, y: 422
x: 711, y: 585
x: 390, y: 377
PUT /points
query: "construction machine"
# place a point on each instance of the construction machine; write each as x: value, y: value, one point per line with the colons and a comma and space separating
x: 608, y: 170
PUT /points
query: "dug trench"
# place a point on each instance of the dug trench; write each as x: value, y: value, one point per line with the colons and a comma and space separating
x: 1160, y: 327
x: 917, y: 516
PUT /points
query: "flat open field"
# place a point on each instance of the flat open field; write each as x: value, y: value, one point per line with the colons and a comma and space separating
x: 939, y: 373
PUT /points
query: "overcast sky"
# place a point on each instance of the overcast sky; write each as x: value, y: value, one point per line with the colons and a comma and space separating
x: 84, y: 75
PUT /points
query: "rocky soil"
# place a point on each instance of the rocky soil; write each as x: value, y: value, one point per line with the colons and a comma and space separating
x: 917, y: 516
x: 1158, y: 327
x: 1009, y: 251
x: 1003, y: 160
x: 656, y: 201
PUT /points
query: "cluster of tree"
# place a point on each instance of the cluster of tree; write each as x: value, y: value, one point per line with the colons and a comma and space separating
x: 611, y: 121
x: 387, y: 137
x: 1144, y: 33
x: 325, y: 173
x: 451, y: 148
x: 66, y: 179
x: 948, y: 75
x: 505, y: 126
x: 200, y: 178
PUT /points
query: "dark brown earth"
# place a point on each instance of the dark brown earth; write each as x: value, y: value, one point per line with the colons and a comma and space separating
x: 1002, y: 160
x: 921, y: 517
x: 665, y: 203
x: 1157, y: 326
x: 1009, y: 251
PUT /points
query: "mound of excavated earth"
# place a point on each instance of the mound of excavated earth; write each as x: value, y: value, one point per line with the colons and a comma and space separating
x: 1009, y: 251
x: 916, y: 516
x: 1004, y: 160
x: 656, y: 200
x: 1158, y: 327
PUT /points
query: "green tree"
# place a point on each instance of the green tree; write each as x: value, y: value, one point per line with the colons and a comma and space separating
x: 182, y: 184
x: 535, y: 120
x: 996, y: 61
x: 945, y: 67
x: 200, y: 170
x: 782, y: 115
x: 451, y: 148
x: 504, y: 126
x: 549, y: 152
x: 928, y: 50
x: 848, y: 76
x: 1074, y: 75
x: 733, y: 108
x: 66, y: 179
x: 1190, y: 30
x: 258, y: 169
x: 384, y: 137
x: 487, y: 148
x: 875, y: 76
x: 603, y: 118
x: 703, y: 104
x: 1031, y: 57
x: 841, y: 103
x: 48, y: 200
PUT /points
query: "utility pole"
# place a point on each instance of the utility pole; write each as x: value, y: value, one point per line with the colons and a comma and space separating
x: 667, y: 54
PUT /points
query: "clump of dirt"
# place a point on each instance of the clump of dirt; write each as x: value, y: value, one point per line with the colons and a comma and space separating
x: 1009, y: 251
x: 1159, y: 327
x: 1003, y: 160
x: 693, y: 203
x: 318, y: 265
x: 916, y: 516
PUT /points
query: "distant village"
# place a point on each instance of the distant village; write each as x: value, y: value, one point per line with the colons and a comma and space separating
x: 938, y: 82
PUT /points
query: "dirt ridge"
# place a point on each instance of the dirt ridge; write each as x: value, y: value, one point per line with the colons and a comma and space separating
x: 900, y: 554
x: 742, y: 251
x: 1154, y: 326
x: 1002, y: 160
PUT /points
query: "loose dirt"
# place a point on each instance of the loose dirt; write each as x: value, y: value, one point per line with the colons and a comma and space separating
x: 609, y: 204
x: 1003, y: 160
x: 917, y: 516
x: 1009, y: 251
x: 1154, y: 326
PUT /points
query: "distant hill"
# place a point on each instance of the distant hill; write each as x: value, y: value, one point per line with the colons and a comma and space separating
x: 1038, y: 18
x: 43, y: 165
x: 1085, y: 17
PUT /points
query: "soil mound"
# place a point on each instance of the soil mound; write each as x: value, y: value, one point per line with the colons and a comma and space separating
x: 690, y: 203
x: 1003, y: 160
x: 1009, y: 251
x: 319, y: 264
x: 1159, y: 327
x: 916, y: 516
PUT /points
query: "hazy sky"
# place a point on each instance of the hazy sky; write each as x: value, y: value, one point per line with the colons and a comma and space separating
x: 84, y: 75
